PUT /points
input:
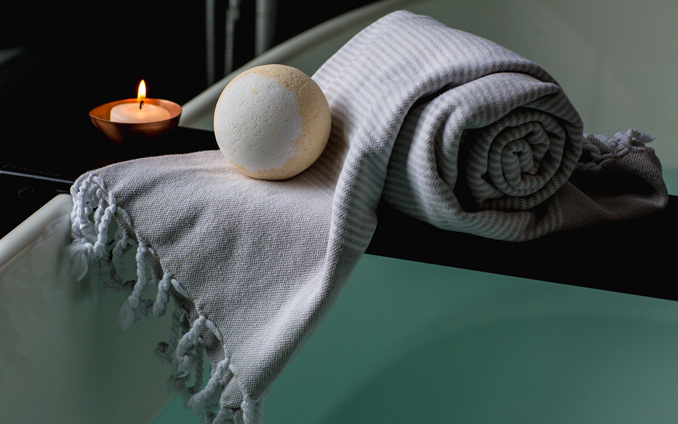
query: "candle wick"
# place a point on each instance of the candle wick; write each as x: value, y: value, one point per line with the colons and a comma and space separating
x: 141, y: 103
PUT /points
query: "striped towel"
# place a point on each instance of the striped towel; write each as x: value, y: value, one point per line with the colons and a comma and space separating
x: 446, y: 126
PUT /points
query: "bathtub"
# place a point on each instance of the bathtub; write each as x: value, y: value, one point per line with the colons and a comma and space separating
x: 406, y: 341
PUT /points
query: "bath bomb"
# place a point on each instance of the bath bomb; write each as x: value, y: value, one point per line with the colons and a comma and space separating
x: 272, y: 122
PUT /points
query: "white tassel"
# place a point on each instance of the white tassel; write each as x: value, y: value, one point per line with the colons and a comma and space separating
x: 204, y: 401
x: 252, y: 409
x: 89, y: 246
x: 225, y: 416
x: 165, y: 350
x: 619, y: 145
x: 128, y: 309
x: 184, y: 361
x: 121, y: 242
x: 162, y: 298
x: 80, y: 254
x: 178, y: 288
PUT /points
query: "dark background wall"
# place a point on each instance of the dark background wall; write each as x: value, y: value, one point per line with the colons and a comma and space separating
x: 85, y: 54
x: 73, y: 56
x: 110, y: 46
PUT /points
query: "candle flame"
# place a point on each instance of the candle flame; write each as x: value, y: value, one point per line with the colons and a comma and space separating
x: 141, y: 94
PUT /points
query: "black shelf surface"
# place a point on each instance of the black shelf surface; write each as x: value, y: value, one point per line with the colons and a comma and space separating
x: 634, y: 256
x: 30, y: 179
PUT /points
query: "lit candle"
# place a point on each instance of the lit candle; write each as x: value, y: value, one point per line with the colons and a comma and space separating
x: 140, y: 111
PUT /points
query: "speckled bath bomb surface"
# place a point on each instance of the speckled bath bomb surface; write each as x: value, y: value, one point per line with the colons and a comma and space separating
x: 272, y: 122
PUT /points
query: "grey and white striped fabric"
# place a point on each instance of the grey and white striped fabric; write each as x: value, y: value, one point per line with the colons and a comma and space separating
x: 446, y: 126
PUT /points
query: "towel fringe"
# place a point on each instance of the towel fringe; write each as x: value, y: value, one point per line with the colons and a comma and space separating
x: 121, y: 240
x: 619, y: 145
x: 252, y: 409
x: 178, y: 288
x: 128, y: 309
x: 184, y: 361
x: 165, y: 350
x: 177, y: 383
x: 162, y: 298
x: 225, y: 416
x: 204, y: 401
x: 92, y: 214
x: 188, y: 361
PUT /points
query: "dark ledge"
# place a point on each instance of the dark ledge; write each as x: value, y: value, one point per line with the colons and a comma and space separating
x: 634, y: 256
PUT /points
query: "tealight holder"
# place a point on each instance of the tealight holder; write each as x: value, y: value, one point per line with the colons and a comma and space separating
x: 124, y: 132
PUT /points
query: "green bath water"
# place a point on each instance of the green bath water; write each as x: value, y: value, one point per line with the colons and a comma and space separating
x: 410, y: 342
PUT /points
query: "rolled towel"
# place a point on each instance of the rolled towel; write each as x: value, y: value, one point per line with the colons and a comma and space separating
x: 485, y: 141
x: 448, y: 127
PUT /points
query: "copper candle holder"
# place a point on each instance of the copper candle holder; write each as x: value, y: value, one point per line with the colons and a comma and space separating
x: 124, y: 132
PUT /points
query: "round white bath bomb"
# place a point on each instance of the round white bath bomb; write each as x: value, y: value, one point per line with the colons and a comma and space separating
x: 272, y: 122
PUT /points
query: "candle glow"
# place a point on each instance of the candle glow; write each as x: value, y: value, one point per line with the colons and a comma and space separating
x: 141, y: 92
x: 144, y: 112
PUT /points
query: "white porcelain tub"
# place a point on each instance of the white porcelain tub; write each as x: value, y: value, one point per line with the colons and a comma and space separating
x: 406, y: 342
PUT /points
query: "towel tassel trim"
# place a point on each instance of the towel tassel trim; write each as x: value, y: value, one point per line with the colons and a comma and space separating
x: 188, y: 361
x: 92, y: 261
x: 122, y: 241
x: 253, y: 409
x: 622, y: 143
x: 128, y: 311
x: 165, y: 350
